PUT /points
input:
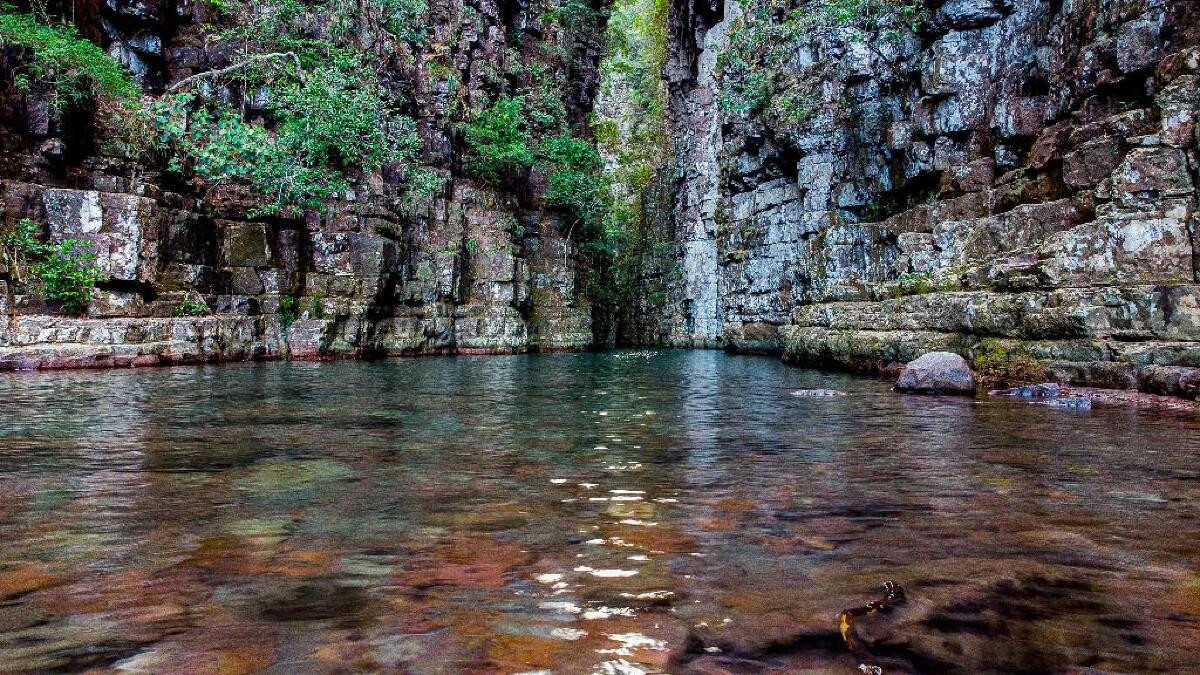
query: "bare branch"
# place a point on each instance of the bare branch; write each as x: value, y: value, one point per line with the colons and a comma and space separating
x: 256, y: 58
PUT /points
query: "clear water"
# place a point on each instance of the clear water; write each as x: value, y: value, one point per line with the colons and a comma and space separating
x: 673, y: 511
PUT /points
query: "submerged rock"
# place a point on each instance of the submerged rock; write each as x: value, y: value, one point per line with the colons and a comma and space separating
x: 937, y: 373
x: 1074, y: 402
x: 1044, y: 390
x: 1047, y: 393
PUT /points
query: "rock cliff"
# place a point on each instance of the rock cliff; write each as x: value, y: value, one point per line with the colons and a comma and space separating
x: 474, y: 268
x: 1012, y: 180
x: 843, y: 182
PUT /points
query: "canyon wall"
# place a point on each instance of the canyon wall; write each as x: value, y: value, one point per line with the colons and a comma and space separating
x: 1014, y: 180
x: 474, y: 269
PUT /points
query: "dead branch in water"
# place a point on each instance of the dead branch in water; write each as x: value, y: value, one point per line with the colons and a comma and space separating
x: 894, y: 595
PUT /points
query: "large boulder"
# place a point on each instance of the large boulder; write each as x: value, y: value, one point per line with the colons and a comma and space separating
x: 937, y: 373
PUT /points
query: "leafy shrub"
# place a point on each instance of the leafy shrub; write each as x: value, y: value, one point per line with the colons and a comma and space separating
x: 64, y: 272
x: 18, y: 245
x: 916, y: 284
x: 339, y: 118
x: 192, y: 305
x: 316, y: 306
x: 498, y: 140
x: 328, y: 114
x: 569, y: 12
x: 576, y: 182
x: 68, y: 274
x: 214, y: 141
x: 75, y: 68
x: 407, y: 20
x: 423, y: 185
x: 289, y: 311
x: 330, y: 122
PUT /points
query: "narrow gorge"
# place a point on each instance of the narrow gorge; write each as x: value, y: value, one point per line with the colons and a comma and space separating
x: 805, y: 337
x: 846, y: 183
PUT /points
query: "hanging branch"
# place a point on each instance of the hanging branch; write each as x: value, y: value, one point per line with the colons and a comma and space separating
x: 241, y: 65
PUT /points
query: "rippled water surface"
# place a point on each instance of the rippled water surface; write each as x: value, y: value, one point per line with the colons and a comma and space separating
x: 629, y: 512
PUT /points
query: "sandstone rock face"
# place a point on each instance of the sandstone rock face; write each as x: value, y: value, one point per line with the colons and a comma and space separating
x: 476, y: 269
x: 937, y: 373
x: 1018, y: 186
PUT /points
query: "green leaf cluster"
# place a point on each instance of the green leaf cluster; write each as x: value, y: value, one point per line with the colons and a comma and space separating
x: 217, y: 144
x: 577, y: 182
x: 75, y: 68
x: 192, y: 305
x: 63, y: 271
x: 569, y: 12
x: 406, y: 20
x: 327, y: 113
x: 500, y: 146
x: 289, y: 312
x: 498, y: 140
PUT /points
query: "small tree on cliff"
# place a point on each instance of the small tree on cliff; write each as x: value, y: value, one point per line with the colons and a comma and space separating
x: 322, y: 113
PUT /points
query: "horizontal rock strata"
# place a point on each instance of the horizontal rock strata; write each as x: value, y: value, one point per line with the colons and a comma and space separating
x: 1016, y: 183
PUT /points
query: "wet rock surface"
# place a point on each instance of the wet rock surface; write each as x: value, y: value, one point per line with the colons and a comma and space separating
x: 1047, y: 393
x: 1044, y: 390
x: 584, y: 513
x: 937, y: 373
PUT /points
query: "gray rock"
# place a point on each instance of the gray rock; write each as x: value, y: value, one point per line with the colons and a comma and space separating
x: 1071, y: 402
x: 962, y: 14
x: 937, y: 373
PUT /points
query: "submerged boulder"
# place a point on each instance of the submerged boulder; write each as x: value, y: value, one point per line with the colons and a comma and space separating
x: 1043, y: 390
x: 937, y: 373
x: 1047, y: 393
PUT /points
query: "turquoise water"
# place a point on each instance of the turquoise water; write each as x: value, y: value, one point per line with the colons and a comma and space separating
x: 635, y: 511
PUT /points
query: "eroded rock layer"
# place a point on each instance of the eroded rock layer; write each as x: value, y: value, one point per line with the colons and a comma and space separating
x: 475, y: 269
x: 1014, y: 181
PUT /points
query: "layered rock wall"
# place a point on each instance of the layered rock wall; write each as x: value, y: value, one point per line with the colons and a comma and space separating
x: 1015, y: 181
x: 475, y: 269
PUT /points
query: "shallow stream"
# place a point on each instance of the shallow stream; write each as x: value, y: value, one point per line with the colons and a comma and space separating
x: 628, y: 512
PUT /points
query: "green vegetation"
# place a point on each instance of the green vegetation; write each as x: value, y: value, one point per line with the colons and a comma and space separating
x: 328, y: 123
x: 74, y: 68
x: 406, y: 20
x: 63, y: 272
x: 498, y: 140
x: 756, y: 72
x: 576, y: 183
x: 331, y: 115
x: 289, y: 311
x: 916, y: 284
x: 500, y: 147
x: 922, y: 283
x: 569, y: 12
x: 1009, y: 360
x: 316, y: 306
x: 324, y: 114
x: 629, y: 126
x: 192, y: 305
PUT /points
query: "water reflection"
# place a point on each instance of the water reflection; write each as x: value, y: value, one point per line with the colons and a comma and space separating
x: 620, y: 513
